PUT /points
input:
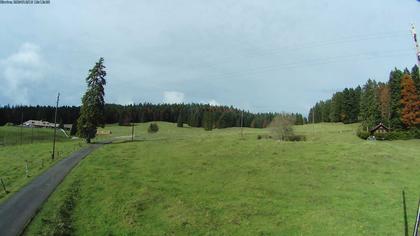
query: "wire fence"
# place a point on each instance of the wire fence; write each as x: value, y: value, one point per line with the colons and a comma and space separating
x: 18, y: 135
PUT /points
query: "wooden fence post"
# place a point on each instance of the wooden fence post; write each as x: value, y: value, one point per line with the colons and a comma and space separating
x: 4, y: 186
x: 26, y: 168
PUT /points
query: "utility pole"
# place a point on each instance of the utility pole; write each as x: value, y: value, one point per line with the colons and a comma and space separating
x: 32, y: 134
x: 132, y: 123
x: 413, y: 31
x: 55, y: 126
x: 21, y: 127
x: 313, y: 120
x: 242, y: 124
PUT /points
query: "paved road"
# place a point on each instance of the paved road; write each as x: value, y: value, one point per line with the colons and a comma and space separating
x: 20, y: 208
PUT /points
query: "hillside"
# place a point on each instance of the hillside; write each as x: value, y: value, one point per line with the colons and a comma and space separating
x: 186, y: 181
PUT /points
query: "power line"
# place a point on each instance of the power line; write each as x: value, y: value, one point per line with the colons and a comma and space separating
x: 313, y: 62
x: 309, y: 45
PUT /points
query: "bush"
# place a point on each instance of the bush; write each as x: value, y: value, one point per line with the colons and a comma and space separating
x: 293, y: 138
x: 296, y: 138
x: 394, y: 135
x: 363, y: 134
x: 153, y: 128
x: 399, y: 135
x: 382, y: 136
x: 264, y: 136
x: 282, y: 127
x: 9, y: 124
x: 415, y: 133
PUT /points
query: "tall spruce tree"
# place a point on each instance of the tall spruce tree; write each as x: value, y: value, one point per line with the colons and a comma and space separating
x: 410, y: 114
x: 369, y: 105
x: 350, y: 106
x: 93, y: 103
x: 384, y: 102
x: 325, y: 110
x: 336, y: 107
x: 416, y: 77
x: 395, y: 97
x: 180, y: 119
x: 208, y: 120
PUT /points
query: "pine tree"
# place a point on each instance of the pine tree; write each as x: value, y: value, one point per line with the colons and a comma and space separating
x: 207, y: 121
x: 93, y: 103
x: 369, y: 105
x: 410, y: 114
x: 350, y: 106
x: 416, y: 77
x: 395, y: 97
x: 180, y: 120
x: 384, y: 102
x: 73, y: 130
x: 336, y: 107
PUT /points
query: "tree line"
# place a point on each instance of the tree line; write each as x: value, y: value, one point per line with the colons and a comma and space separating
x: 194, y: 115
x: 95, y: 113
x: 395, y: 103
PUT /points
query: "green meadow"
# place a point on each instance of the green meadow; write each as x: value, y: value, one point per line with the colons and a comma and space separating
x: 15, y: 135
x: 35, y: 151
x: 187, y: 181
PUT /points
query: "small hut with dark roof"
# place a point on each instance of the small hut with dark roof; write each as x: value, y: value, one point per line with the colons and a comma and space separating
x: 381, y: 128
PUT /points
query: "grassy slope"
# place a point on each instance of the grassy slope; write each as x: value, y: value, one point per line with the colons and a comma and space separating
x: 38, y: 155
x: 197, y: 183
x: 14, y: 135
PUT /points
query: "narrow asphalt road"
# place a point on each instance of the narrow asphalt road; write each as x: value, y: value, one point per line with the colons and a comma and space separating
x: 19, y: 209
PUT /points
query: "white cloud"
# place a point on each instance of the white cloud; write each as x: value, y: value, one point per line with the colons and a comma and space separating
x: 213, y: 102
x: 173, y: 97
x: 21, y: 72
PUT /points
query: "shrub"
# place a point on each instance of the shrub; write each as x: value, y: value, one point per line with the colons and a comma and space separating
x: 282, y: 127
x: 415, y: 133
x: 399, y: 135
x: 288, y: 138
x: 363, y: 134
x: 394, y: 135
x: 382, y: 136
x: 296, y: 138
x: 153, y: 128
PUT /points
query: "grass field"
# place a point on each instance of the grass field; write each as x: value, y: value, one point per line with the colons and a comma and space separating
x: 186, y: 181
x: 36, y: 149
x: 15, y: 135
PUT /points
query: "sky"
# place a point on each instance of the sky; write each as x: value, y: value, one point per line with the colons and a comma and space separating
x: 262, y: 56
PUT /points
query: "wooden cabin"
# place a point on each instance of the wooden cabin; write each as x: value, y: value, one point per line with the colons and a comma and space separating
x: 381, y: 128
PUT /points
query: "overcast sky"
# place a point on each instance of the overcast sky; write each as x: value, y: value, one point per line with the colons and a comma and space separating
x: 265, y: 55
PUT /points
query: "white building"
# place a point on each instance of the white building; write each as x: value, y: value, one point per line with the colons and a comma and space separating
x: 38, y: 124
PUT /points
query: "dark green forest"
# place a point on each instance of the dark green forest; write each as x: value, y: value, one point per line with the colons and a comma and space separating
x: 195, y: 115
x: 395, y: 103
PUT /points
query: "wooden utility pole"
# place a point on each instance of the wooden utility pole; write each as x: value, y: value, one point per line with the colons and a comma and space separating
x: 132, y: 131
x: 313, y: 120
x: 132, y: 123
x: 32, y: 134
x: 26, y: 168
x: 55, y: 126
x: 242, y: 124
x: 21, y: 127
